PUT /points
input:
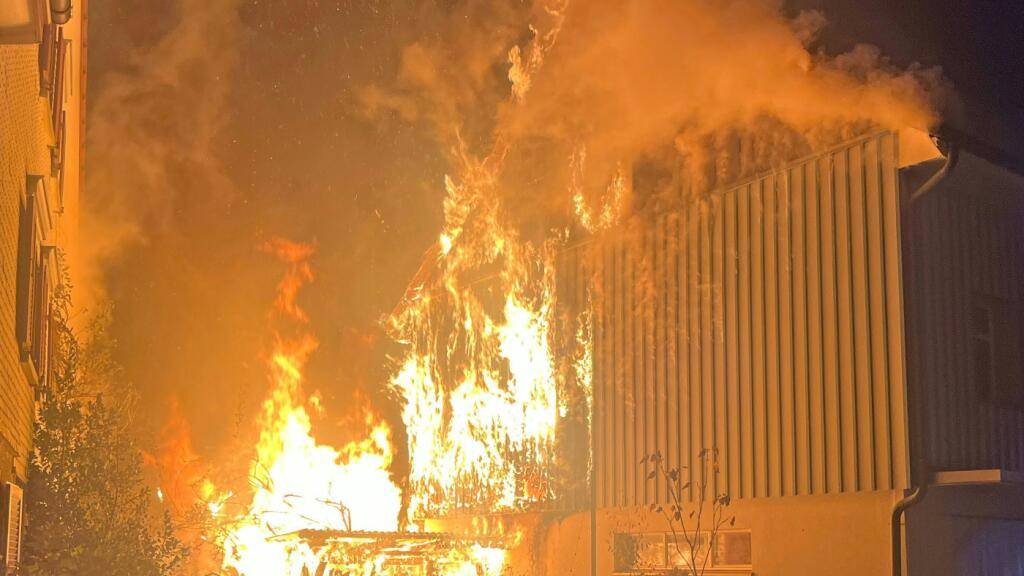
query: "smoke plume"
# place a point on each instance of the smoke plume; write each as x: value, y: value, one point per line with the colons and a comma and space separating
x: 160, y: 207
x: 716, y: 90
x: 153, y: 129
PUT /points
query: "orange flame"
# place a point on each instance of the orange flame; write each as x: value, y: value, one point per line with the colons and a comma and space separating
x: 300, y: 484
x: 178, y: 467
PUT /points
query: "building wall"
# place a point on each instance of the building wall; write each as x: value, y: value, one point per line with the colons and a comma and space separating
x: 967, y: 531
x: 764, y: 322
x: 964, y: 242
x: 24, y: 151
x: 838, y: 535
x: 27, y: 144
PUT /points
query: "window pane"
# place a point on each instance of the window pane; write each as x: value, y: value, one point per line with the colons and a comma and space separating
x: 679, y: 552
x: 732, y: 549
x: 15, y: 13
x: 636, y: 552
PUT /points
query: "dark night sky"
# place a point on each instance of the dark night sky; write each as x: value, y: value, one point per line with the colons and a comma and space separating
x: 978, y: 44
x: 301, y: 159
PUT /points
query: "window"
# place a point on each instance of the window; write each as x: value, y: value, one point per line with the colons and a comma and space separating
x: 21, y: 21
x: 28, y: 258
x: 639, y: 552
x: 658, y: 552
x: 35, y: 281
x: 996, y: 345
x: 732, y: 550
x: 10, y: 529
x: 56, y: 85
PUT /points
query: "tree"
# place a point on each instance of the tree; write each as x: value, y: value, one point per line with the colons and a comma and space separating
x: 694, y: 546
x: 88, y: 510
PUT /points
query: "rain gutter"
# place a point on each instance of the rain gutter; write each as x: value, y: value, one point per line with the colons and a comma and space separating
x: 952, y: 158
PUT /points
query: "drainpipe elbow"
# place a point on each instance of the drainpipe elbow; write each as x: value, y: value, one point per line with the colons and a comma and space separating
x: 952, y: 153
x: 898, y: 510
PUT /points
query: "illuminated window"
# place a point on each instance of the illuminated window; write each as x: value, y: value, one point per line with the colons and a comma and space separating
x: 732, y: 550
x: 661, y: 552
x: 15, y: 13
x: 639, y: 552
x: 22, y: 21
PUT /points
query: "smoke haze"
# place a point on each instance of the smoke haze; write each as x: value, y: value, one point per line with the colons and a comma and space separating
x: 213, y: 127
x: 216, y: 125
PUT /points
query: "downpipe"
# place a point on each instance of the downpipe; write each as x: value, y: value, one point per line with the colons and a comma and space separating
x: 952, y: 153
x: 897, y: 533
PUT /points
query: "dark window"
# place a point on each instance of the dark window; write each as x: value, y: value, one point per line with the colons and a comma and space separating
x: 28, y: 260
x: 41, y: 314
x: 996, y: 348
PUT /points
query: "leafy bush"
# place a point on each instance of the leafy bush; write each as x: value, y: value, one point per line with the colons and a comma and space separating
x: 88, y: 510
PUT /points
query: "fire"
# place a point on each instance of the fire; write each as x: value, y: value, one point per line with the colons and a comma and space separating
x: 484, y: 392
x: 175, y: 460
x: 301, y: 485
x: 480, y: 381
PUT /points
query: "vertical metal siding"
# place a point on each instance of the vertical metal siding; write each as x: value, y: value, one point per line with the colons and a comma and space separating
x: 764, y: 321
x: 963, y: 240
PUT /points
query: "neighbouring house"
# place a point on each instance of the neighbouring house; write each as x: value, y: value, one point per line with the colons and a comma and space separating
x: 42, y: 99
x: 847, y: 332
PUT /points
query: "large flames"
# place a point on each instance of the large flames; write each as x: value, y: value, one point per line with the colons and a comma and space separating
x: 484, y: 381
x: 302, y: 486
x: 483, y: 394
x: 299, y: 483
x: 494, y: 377
x: 483, y: 402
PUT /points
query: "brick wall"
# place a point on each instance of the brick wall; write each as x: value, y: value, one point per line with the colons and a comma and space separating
x: 25, y: 136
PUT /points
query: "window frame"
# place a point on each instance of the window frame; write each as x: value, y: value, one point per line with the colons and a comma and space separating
x: 12, y: 493
x: 36, y: 281
x: 1003, y: 381
x: 666, y: 565
x: 32, y: 31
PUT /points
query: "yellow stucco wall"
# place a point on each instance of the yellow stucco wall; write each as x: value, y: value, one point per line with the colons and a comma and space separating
x: 837, y: 535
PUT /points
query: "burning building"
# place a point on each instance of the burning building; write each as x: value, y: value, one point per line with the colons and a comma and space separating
x: 772, y: 365
x: 834, y: 344
x: 42, y: 73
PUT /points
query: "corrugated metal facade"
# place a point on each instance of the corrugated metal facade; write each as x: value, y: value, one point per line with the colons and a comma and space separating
x: 963, y: 242
x: 765, y: 322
